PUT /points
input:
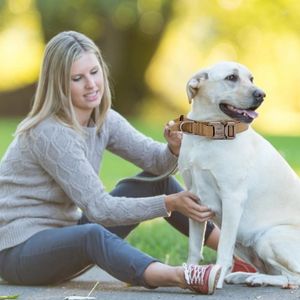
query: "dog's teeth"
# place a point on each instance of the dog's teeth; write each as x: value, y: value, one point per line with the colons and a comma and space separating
x: 231, y: 107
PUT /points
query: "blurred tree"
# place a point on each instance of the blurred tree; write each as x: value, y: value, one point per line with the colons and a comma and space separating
x: 163, y: 42
x: 21, y: 49
x: 127, y: 31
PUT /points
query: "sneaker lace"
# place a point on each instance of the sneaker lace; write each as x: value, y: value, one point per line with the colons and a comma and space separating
x: 194, y: 274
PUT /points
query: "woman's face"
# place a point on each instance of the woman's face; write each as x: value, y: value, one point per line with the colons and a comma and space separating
x: 87, y: 86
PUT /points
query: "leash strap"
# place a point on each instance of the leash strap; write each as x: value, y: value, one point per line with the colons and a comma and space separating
x: 220, y: 130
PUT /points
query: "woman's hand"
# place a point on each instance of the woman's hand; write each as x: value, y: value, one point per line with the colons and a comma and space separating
x: 173, y: 138
x: 187, y: 204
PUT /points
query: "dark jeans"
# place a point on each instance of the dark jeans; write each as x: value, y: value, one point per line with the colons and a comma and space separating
x: 59, y: 254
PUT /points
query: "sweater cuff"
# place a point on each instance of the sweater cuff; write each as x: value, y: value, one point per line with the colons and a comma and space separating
x: 169, y: 213
x: 158, y: 207
x: 170, y: 157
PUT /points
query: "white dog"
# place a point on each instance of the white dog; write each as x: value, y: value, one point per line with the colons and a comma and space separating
x: 241, y: 177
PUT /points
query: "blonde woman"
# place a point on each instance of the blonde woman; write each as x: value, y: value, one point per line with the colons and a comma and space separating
x: 51, y: 169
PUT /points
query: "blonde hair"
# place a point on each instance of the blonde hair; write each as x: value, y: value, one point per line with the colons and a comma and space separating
x: 53, y: 94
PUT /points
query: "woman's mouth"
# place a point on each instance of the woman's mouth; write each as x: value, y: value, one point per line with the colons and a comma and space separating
x: 93, y: 96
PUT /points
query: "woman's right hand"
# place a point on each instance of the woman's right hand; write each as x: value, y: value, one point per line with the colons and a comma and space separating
x: 187, y: 203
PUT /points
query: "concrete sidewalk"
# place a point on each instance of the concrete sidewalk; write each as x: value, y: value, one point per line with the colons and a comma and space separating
x: 112, y: 289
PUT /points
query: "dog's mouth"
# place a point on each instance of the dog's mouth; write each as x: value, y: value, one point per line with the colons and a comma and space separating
x: 239, y: 114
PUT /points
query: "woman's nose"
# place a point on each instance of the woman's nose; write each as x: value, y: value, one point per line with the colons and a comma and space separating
x: 90, y: 83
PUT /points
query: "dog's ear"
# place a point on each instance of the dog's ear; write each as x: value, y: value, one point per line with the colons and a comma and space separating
x: 194, y: 84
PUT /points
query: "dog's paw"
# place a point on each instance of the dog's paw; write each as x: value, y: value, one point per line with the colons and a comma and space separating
x: 237, y: 277
x: 256, y: 280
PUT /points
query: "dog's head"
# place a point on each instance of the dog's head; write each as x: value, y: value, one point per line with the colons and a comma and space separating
x: 225, y: 91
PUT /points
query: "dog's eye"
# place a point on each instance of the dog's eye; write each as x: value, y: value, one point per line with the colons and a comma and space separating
x: 232, y: 77
x: 251, y: 79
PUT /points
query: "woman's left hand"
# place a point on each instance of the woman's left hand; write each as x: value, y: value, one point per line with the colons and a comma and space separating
x: 173, y: 138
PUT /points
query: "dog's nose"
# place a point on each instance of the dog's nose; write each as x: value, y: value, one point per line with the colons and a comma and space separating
x: 259, y: 95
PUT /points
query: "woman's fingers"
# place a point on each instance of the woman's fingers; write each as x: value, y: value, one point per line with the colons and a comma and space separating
x: 188, y: 204
x: 202, y: 217
x: 200, y: 213
x: 172, y: 136
x: 191, y: 208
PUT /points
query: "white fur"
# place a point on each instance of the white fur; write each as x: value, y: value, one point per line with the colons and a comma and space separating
x: 246, y: 182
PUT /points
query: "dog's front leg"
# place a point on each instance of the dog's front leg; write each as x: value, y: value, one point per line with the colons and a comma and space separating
x: 196, y: 241
x: 196, y: 229
x: 231, y: 215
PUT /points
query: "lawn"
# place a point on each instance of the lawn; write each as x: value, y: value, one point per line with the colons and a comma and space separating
x: 156, y: 237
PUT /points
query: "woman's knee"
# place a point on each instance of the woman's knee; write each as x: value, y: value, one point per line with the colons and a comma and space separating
x: 173, y: 186
x: 93, y: 230
x: 98, y: 237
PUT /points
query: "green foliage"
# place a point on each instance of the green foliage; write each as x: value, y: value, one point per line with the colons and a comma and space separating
x: 7, y: 128
x: 288, y: 146
x: 9, y: 297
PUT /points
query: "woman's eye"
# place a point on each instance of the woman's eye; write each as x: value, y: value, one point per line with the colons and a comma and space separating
x: 77, y: 78
x: 232, y: 77
x: 94, y: 71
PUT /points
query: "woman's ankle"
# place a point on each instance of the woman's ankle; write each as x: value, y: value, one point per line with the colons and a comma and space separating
x: 158, y: 274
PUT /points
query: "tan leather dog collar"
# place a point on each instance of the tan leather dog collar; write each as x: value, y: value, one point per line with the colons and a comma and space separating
x: 221, y: 130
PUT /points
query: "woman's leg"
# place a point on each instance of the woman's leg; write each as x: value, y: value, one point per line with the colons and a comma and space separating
x: 56, y: 255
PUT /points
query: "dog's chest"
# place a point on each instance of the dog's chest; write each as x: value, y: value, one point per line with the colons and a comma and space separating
x: 199, y: 164
x: 202, y: 154
x: 210, y: 166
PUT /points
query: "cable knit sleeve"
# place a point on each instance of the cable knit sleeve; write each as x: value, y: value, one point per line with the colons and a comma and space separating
x: 63, y: 155
x: 130, y: 144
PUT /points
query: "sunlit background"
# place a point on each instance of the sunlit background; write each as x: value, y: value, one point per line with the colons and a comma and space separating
x: 153, y: 47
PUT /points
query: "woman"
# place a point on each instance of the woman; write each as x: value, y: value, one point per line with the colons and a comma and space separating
x: 51, y: 169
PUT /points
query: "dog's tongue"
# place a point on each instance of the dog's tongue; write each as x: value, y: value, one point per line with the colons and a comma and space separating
x: 251, y: 113
x: 246, y: 112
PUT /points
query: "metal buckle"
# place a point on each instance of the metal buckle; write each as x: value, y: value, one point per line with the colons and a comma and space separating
x: 223, y: 131
x: 184, y: 122
x: 230, y: 130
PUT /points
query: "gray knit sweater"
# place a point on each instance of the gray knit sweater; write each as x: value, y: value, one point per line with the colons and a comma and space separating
x: 47, y: 174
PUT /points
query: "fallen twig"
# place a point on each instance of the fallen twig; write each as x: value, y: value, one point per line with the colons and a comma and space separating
x: 81, y: 297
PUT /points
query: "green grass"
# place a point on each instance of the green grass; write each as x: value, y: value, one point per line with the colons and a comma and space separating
x: 159, y: 239
x: 7, y: 128
x: 156, y: 237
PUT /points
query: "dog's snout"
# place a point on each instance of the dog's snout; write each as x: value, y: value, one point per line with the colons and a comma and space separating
x: 259, y: 95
